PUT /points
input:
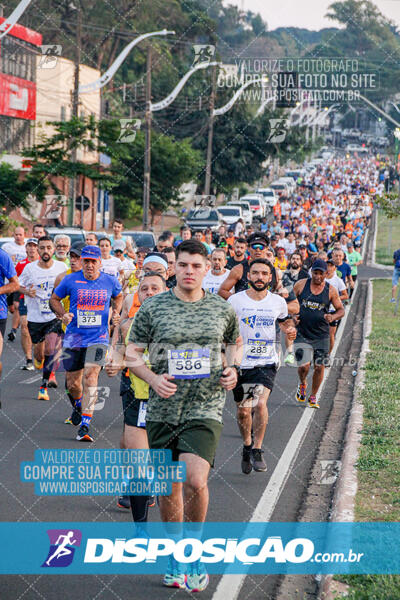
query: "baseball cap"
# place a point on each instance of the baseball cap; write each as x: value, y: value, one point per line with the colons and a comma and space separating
x: 119, y: 245
x: 77, y: 248
x: 319, y: 265
x: 31, y: 241
x: 349, y: 244
x: 302, y: 246
x: 92, y: 252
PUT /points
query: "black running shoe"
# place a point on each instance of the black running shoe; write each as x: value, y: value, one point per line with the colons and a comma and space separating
x: 124, y: 502
x: 11, y: 336
x: 83, y: 434
x: 258, y: 460
x: 247, y: 467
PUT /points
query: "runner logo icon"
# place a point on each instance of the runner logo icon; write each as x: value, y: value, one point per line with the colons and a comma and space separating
x: 62, y: 547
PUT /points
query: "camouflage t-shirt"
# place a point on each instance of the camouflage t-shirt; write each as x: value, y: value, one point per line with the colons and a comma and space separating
x: 166, y: 323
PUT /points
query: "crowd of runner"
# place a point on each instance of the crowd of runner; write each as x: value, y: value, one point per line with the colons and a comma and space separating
x: 218, y: 305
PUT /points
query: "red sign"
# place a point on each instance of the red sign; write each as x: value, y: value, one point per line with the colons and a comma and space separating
x: 17, y: 97
x: 24, y: 33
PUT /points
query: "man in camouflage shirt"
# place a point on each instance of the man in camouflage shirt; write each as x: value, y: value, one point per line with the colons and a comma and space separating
x: 184, y: 330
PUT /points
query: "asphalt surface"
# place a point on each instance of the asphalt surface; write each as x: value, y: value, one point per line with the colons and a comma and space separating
x: 27, y: 424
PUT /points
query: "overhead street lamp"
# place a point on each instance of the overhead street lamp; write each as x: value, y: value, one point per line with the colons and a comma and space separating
x: 13, y: 19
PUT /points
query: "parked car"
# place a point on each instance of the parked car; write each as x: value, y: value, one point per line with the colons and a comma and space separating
x: 270, y: 198
x: 4, y: 240
x: 291, y: 183
x: 230, y: 214
x: 256, y: 204
x: 295, y: 174
x: 281, y: 188
x: 246, y: 210
x: 203, y: 217
x: 76, y: 234
x: 356, y: 148
x: 142, y: 238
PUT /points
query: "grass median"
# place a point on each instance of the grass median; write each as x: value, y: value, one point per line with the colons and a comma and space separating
x: 378, y: 495
x: 385, y: 247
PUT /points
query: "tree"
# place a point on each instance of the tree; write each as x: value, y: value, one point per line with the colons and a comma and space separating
x: 14, y: 189
x: 173, y: 163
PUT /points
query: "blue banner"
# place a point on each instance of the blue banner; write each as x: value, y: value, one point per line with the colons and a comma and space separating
x: 249, y: 548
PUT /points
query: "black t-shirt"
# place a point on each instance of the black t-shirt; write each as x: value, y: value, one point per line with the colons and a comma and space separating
x: 233, y: 263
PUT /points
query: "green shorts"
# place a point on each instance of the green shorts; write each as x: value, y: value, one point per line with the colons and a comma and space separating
x: 197, y: 436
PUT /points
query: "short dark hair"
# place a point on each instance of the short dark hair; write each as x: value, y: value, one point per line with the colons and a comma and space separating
x: 264, y: 261
x: 106, y: 239
x: 116, y: 220
x: 241, y: 240
x: 45, y: 238
x: 169, y: 250
x: 38, y: 225
x: 297, y: 253
x: 164, y: 237
x: 152, y: 274
x: 192, y: 247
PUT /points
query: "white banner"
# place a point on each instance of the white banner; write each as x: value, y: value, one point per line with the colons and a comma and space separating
x: 108, y: 75
x: 171, y: 97
x: 13, y: 18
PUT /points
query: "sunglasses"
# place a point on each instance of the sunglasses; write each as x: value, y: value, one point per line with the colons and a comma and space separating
x: 257, y: 246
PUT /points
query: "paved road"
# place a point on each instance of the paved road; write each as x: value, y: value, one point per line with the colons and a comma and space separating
x: 26, y: 425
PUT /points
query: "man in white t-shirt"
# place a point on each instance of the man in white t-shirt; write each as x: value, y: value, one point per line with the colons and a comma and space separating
x: 257, y: 310
x: 37, y: 282
x: 111, y: 265
x: 218, y: 273
x: 127, y: 266
x: 333, y: 279
x: 17, y: 252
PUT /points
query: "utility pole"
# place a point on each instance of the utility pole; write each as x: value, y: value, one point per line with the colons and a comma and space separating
x: 210, y: 132
x: 74, y: 182
x: 147, y: 152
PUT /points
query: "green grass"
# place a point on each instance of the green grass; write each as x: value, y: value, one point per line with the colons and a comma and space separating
x: 384, y: 250
x: 378, y: 495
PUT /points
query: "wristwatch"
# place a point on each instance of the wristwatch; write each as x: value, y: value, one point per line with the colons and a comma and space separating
x: 236, y: 367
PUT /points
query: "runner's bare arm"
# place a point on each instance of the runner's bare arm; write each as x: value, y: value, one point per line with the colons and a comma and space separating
x: 293, y: 307
x: 233, y: 356
x: 161, y: 384
x: 234, y: 276
x: 11, y: 286
x: 117, y: 305
x: 288, y: 329
x: 337, y: 303
x: 299, y: 286
x: 58, y: 309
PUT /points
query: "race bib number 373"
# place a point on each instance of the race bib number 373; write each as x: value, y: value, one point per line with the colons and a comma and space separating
x: 189, y: 364
x: 88, y: 318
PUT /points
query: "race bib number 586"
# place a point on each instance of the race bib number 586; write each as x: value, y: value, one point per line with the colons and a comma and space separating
x: 189, y: 364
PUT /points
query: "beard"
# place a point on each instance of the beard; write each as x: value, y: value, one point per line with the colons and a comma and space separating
x: 259, y: 288
x: 45, y: 258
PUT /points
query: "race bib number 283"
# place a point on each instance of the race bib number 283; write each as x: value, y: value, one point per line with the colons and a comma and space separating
x: 189, y: 364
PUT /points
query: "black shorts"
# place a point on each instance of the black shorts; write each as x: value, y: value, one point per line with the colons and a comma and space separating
x: 38, y: 331
x: 13, y: 297
x: 3, y: 323
x: 262, y: 375
x: 134, y: 410
x: 75, y: 359
x: 306, y: 350
x: 23, y: 311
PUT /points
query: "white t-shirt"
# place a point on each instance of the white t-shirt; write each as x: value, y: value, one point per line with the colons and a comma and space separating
x: 212, y: 283
x: 15, y: 251
x: 257, y: 325
x: 127, y: 265
x: 111, y: 266
x: 337, y: 283
x: 43, y: 280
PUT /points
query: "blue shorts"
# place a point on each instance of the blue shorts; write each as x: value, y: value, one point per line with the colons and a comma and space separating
x: 23, y: 310
x: 396, y: 276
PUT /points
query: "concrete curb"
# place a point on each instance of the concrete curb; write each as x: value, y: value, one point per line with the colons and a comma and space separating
x: 346, y: 488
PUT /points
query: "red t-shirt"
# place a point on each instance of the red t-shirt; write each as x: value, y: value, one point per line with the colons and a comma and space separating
x: 19, y: 267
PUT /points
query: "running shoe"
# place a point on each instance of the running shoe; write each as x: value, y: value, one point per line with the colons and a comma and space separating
x: 68, y: 421
x: 289, y: 359
x: 52, y: 380
x: 43, y: 394
x: 197, y: 578
x: 174, y: 577
x: 76, y: 416
x: 38, y: 365
x: 301, y: 392
x: 313, y: 402
x: 257, y: 459
x: 28, y: 366
x: 247, y: 466
x: 124, y: 502
x: 11, y: 336
x: 392, y: 301
x: 83, y: 434
x: 152, y: 501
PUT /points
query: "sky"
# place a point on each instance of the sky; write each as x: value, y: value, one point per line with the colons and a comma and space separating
x: 309, y: 14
